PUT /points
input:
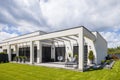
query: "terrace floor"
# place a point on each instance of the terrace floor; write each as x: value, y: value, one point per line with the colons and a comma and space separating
x: 53, y: 64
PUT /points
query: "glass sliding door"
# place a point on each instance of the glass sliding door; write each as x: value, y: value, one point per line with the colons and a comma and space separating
x: 25, y: 51
x: 85, y: 55
x: 35, y: 54
x: 13, y: 55
x: 76, y: 51
x: 46, y: 54
x: 60, y: 51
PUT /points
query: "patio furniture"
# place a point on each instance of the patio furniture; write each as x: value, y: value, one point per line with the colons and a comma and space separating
x: 71, y: 63
x: 60, y: 58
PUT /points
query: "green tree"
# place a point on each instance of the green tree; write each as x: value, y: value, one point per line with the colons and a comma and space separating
x: 115, y: 50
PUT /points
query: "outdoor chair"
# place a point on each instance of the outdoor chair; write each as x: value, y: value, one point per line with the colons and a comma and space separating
x: 60, y: 58
x: 71, y: 63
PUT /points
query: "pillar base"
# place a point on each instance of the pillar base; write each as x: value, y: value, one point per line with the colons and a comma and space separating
x: 38, y: 60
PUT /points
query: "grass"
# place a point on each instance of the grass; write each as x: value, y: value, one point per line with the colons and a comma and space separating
x: 12, y: 71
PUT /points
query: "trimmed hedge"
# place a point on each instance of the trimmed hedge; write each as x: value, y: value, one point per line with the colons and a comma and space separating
x: 3, y: 58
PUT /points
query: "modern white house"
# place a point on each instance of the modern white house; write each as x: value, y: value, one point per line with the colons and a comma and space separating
x: 42, y: 47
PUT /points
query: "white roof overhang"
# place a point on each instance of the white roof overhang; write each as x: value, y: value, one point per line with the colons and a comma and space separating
x: 70, y: 34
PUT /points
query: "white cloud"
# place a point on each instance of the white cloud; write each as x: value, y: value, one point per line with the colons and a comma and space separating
x: 112, y: 38
x: 64, y: 13
x: 23, y: 16
x: 99, y: 15
x: 93, y: 14
x: 5, y: 35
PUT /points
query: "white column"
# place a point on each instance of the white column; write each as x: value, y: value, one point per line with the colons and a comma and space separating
x: 31, y: 52
x: 9, y: 52
x: 81, y: 51
x: 39, y: 52
x: 17, y: 50
x: 66, y: 52
x: 53, y: 51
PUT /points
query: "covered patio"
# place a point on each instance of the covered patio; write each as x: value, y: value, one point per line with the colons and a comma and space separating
x: 54, y: 44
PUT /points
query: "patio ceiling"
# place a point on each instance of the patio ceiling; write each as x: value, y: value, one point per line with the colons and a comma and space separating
x: 66, y: 38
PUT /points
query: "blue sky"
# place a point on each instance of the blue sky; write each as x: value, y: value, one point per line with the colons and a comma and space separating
x: 18, y: 17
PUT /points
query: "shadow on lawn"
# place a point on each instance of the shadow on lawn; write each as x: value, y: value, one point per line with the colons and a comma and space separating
x: 4, y: 62
x: 92, y: 69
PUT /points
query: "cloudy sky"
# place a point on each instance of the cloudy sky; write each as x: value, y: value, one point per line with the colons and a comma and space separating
x: 18, y: 17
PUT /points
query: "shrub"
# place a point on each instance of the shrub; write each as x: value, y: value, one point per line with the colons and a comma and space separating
x: 76, y: 56
x: 24, y: 57
x: 3, y: 57
x: 108, y: 61
x: 91, y: 56
x: 16, y: 58
x: 103, y: 61
x: 20, y: 58
x: 108, y: 57
x: 2, y: 53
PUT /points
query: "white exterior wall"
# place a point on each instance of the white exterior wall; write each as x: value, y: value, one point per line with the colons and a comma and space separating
x: 100, y: 47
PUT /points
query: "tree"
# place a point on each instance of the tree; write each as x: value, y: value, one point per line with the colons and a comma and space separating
x: 115, y: 50
x: 91, y: 56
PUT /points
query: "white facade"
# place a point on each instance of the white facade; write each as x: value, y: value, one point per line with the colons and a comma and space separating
x: 64, y: 41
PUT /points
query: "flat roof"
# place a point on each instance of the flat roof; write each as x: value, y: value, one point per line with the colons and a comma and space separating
x: 25, y: 34
x: 45, y: 33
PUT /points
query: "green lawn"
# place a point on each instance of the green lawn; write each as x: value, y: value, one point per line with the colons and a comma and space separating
x: 12, y: 71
